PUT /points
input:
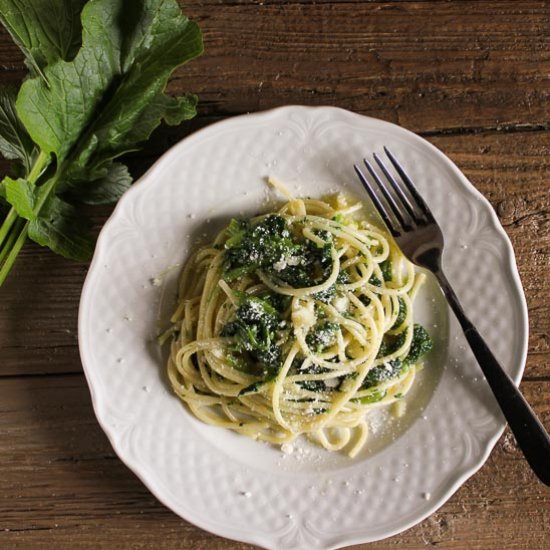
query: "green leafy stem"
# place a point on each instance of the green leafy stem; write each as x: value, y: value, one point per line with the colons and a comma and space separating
x: 14, y: 230
x: 98, y: 71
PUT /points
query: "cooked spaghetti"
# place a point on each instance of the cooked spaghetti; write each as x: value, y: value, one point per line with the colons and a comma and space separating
x: 296, y: 322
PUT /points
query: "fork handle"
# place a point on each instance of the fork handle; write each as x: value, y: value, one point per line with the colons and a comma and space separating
x: 530, y: 434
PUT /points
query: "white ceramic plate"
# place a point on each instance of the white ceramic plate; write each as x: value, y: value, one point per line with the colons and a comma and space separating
x: 250, y: 491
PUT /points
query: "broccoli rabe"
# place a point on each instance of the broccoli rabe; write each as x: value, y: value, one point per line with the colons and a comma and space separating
x: 279, y: 301
x: 321, y: 336
x: 420, y: 345
x: 391, y: 344
x: 372, y: 397
x: 386, y: 269
x: 262, y: 246
x: 314, y: 265
x: 365, y: 300
x: 374, y: 280
x: 401, y: 314
x: 387, y: 371
x: 236, y: 230
x: 314, y: 385
x: 271, y: 247
x: 254, y: 329
x: 328, y: 294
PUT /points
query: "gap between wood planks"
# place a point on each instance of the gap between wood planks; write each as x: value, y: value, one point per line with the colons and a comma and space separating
x: 498, y: 4
x: 174, y: 134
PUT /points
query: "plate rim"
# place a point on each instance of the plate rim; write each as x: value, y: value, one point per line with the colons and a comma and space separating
x: 228, y: 531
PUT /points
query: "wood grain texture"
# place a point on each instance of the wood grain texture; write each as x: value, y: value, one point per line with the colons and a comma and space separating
x: 469, y: 75
x: 425, y: 65
x: 65, y: 485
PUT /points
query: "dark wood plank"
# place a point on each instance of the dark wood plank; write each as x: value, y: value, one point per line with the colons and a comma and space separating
x: 426, y: 65
x: 423, y: 65
x: 63, y: 489
x: 511, y: 170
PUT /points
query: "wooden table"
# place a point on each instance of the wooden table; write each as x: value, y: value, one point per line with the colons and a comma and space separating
x: 470, y: 76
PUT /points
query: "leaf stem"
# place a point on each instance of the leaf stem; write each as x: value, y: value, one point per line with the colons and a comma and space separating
x: 7, y: 225
x: 45, y: 191
x: 40, y: 164
x: 11, y: 238
x: 9, y: 244
x: 16, y: 248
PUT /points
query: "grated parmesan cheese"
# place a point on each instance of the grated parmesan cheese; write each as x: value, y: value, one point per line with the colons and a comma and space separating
x: 304, y: 315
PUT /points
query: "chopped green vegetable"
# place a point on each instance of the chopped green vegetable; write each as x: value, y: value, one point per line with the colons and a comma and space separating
x: 386, y: 268
x: 420, y: 345
x: 365, y: 300
x: 322, y: 336
x: 387, y: 371
x: 270, y: 246
x: 401, y: 315
x: 328, y: 294
x: 237, y: 362
x: 314, y: 265
x: 314, y: 385
x: 98, y: 71
x: 254, y: 330
x: 236, y: 231
x: 372, y: 397
x: 252, y: 388
x: 374, y: 280
x: 390, y: 344
x: 267, y: 245
x: 280, y: 302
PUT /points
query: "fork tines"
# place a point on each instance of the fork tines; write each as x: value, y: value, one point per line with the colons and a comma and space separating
x: 407, y: 208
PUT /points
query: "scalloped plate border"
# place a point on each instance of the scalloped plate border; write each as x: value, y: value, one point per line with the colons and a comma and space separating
x: 295, y: 537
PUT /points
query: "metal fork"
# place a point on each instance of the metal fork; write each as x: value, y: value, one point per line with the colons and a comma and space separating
x: 415, y: 230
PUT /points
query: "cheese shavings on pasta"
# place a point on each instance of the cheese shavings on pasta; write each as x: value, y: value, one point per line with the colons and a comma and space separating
x: 297, y: 322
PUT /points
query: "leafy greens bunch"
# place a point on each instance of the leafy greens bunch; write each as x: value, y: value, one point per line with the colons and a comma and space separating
x: 98, y: 70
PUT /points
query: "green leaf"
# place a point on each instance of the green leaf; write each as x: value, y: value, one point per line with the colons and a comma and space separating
x: 111, y: 96
x: 22, y: 195
x: 62, y: 229
x: 57, y: 225
x: 15, y: 142
x: 109, y: 185
x: 171, y: 110
x: 45, y: 30
x: 57, y: 112
x: 148, y: 58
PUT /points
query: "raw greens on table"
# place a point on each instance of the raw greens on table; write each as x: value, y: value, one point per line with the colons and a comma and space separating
x: 95, y: 91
